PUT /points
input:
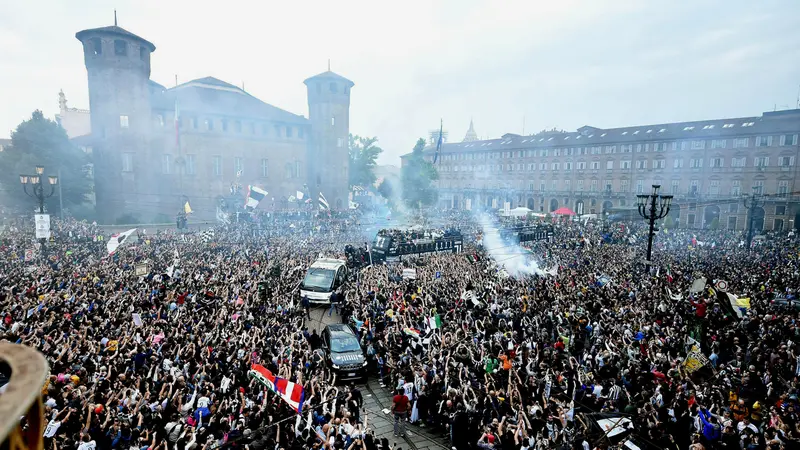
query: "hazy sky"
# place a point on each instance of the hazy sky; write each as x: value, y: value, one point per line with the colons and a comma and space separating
x: 557, y: 63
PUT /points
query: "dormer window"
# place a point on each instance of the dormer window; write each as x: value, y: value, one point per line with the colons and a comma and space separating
x: 96, y: 47
x: 120, y: 47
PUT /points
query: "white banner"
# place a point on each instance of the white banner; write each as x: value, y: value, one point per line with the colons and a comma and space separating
x: 42, y: 226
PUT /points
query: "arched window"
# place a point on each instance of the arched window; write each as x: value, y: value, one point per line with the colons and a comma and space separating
x: 120, y: 47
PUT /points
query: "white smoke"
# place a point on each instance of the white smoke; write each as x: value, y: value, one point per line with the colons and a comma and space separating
x: 509, y: 255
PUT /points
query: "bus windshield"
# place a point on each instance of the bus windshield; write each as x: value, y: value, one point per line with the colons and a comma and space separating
x: 319, y: 280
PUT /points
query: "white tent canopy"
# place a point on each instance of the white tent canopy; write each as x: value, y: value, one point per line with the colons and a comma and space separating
x: 519, y: 211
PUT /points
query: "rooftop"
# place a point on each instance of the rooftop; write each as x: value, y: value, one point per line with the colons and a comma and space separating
x: 114, y: 31
x: 769, y: 122
x: 213, y: 96
x: 328, y: 75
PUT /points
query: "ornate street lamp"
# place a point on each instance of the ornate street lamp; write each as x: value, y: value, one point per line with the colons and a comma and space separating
x: 37, y: 190
x: 752, y: 203
x: 652, y: 207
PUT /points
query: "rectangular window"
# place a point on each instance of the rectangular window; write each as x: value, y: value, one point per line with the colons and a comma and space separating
x: 209, y: 124
x: 638, y: 148
x: 639, y: 187
x: 641, y: 164
x: 542, y: 166
x: 237, y: 126
x: 732, y: 222
x: 738, y: 162
x: 554, y: 185
x: 224, y: 124
x: 625, y: 165
x: 264, y: 168
x: 786, y: 161
x: 758, y: 187
x: 541, y: 186
x: 580, y: 185
x: 340, y: 142
x: 718, y: 143
x: 556, y: 166
x: 625, y: 148
x: 777, y: 225
x: 762, y: 161
x: 695, y: 163
x: 289, y: 132
x: 694, y: 187
x: 120, y: 47
x: 165, y: 163
x: 194, y: 122
x: 783, y: 188
x: 609, y: 165
x: 741, y: 142
x: 216, y: 166
x: 716, y: 163
x: 763, y: 141
x: 733, y: 208
x: 568, y: 166
x: 595, y: 165
x: 567, y: 185
x: 660, y: 146
x: 608, y: 185
x: 582, y: 165
x: 780, y: 210
x: 736, y: 188
x: 659, y: 163
x: 788, y: 139
x: 673, y: 189
x: 698, y: 145
x: 190, y: 164
x: 238, y: 166
x: 127, y: 162
x: 677, y: 164
x: 684, y: 145
x: 713, y: 187
x: 123, y: 122
x: 593, y: 186
x: 297, y: 169
x: 624, y: 185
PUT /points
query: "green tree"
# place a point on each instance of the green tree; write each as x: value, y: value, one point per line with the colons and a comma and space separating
x: 363, y: 158
x: 417, y: 176
x: 41, y: 141
x: 386, y: 189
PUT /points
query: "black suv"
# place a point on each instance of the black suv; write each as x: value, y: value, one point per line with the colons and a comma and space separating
x: 343, y: 352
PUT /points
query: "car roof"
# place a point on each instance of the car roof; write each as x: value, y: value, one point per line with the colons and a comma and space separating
x: 328, y: 263
x: 340, y: 328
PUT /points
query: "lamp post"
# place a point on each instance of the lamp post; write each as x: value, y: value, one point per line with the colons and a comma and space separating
x: 752, y: 203
x: 653, y: 207
x: 37, y: 189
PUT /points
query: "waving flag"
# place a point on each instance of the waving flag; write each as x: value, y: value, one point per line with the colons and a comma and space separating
x: 291, y: 393
x: 254, y: 196
x: 117, y: 240
x: 323, y: 202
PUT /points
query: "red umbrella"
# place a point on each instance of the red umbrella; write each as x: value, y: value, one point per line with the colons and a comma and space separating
x: 564, y: 211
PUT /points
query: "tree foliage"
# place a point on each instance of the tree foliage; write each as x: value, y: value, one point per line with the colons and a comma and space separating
x: 363, y: 158
x: 417, y: 176
x: 41, y: 141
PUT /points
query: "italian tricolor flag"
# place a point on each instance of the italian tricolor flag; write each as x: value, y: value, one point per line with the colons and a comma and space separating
x: 435, y: 322
x: 669, y: 275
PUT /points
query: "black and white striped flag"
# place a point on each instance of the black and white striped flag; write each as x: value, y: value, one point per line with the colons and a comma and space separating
x: 254, y: 196
x: 323, y: 203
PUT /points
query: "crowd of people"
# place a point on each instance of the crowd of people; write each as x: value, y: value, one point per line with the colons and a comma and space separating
x: 600, y: 353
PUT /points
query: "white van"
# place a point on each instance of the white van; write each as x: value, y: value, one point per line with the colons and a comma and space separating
x: 323, y: 277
